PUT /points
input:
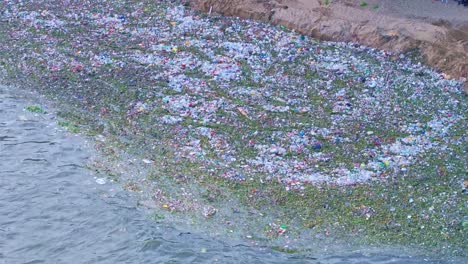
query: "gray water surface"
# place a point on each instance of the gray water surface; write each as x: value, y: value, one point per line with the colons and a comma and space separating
x: 53, y: 211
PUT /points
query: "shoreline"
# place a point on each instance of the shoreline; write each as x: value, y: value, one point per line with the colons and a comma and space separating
x: 436, y: 32
x: 195, y: 121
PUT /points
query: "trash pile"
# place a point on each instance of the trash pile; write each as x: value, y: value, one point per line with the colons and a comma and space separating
x: 245, y: 99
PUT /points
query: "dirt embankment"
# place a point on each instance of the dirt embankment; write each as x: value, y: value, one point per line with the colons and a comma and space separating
x: 442, y: 45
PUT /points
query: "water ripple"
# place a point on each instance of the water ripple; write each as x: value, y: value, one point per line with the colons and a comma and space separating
x: 51, y: 213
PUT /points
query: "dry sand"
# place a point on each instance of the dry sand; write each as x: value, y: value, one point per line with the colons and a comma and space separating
x: 431, y: 11
x: 439, y: 31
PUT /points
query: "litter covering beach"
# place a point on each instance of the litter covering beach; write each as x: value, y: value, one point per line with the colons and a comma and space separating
x: 340, y: 137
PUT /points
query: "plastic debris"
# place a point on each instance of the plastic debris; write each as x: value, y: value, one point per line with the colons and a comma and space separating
x: 101, y: 181
x: 243, y: 98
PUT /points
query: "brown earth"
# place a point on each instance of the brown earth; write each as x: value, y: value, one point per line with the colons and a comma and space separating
x: 438, y: 31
